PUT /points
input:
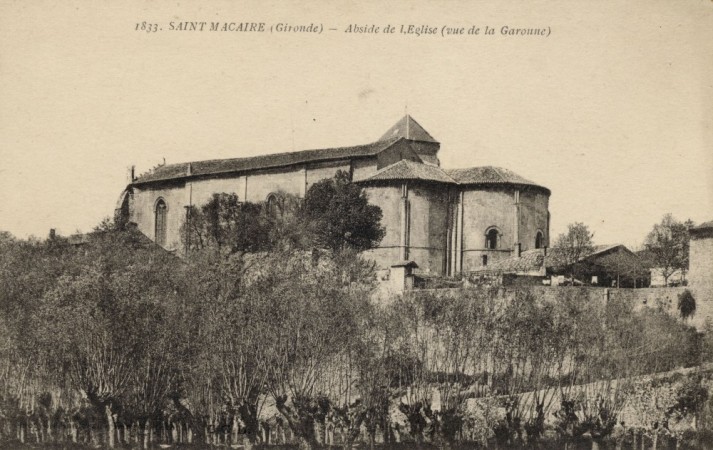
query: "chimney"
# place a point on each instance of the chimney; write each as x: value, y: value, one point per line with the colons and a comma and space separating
x: 518, y: 249
x: 188, y: 170
x: 130, y: 174
x: 52, y: 233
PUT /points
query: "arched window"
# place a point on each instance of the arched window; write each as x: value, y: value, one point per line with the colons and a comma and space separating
x: 492, y: 238
x: 273, y: 205
x: 539, y: 240
x: 160, y: 222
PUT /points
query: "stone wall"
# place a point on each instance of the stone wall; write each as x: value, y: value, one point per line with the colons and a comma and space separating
x: 176, y: 198
x: 484, y: 208
x: 700, y: 274
x: 667, y: 298
x: 428, y: 227
x: 533, y: 217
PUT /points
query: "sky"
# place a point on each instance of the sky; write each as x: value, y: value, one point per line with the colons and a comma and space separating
x: 613, y: 110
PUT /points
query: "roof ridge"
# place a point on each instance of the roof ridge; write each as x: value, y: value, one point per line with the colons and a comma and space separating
x: 155, y: 174
x: 384, y: 142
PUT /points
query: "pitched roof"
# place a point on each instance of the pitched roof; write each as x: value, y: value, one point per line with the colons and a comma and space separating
x: 533, y: 260
x: 704, y: 226
x: 489, y: 175
x: 529, y: 261
x: 410, y: 170
x: 408, y: 128
x: 217, y: 166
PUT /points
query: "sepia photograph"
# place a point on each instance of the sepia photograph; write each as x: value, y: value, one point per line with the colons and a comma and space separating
x: 356, y: 224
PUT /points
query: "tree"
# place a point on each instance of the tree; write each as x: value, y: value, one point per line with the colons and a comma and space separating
x: 668, y: 243
x: 686, y: 304
x: 227, y: 225
x: 105, y: 322
x: 574, y: 245
x: 338, y: 215
x: 311, y: 312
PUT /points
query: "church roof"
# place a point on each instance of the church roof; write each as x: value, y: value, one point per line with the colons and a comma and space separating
x: 218, y: 166
x: 489, y: 175
x: 410, y: 170
x: 408, y: 128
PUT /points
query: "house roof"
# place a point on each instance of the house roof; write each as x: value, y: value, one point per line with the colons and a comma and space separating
x: 410, y: 170
x: 218, y: 166
x: 705, y: 226
x: 529, y: 261
x: 405, y: 263
x: 408, y: 128
x: 533, y: 260
x: 489, y: 175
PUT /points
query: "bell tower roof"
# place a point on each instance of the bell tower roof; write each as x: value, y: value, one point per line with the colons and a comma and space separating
x: 408, y: 128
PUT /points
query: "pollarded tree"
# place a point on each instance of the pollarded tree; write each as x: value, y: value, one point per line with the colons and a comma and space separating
x: 232, y: 335
x: 310, y: 315
x: 102, y: 323
x: 337, y: 214
x: 668, y: 243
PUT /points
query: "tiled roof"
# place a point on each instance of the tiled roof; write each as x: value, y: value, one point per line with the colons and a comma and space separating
x: 489, y: 175
x: 529, y: 261
x: 409, y: 170
x: 216, y: 166
x: 408, y: 128
x: 704, y: 226
x: 533, y: 260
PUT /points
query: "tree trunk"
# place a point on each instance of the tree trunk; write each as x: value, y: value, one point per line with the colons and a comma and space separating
x: 655, y: 440
x: 111, y: 429
x: 74, y: 429
x: 249, y: 416
x: 146, y: 435
x: 305, y: 444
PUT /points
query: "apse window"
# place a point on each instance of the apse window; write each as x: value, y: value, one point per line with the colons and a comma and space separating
x: 539, y: 240
x: 491, y: 239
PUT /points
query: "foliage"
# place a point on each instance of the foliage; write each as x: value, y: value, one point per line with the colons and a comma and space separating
x: 335, y: 214
x: 227, y: 225
x: 119, y: 333
x: 668, y: 244
x: 338, y: 215
x: 574, y: 245
x: 686, y: 304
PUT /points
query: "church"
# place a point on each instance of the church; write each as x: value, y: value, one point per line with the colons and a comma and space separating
x: 445, y: 222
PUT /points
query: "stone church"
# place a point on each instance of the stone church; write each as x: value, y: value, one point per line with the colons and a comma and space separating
x: 446, y: 221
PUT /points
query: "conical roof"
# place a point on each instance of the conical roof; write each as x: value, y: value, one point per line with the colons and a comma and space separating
x: 408, y: 128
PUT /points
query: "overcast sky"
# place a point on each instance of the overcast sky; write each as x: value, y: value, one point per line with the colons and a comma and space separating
x: 613, y: 111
